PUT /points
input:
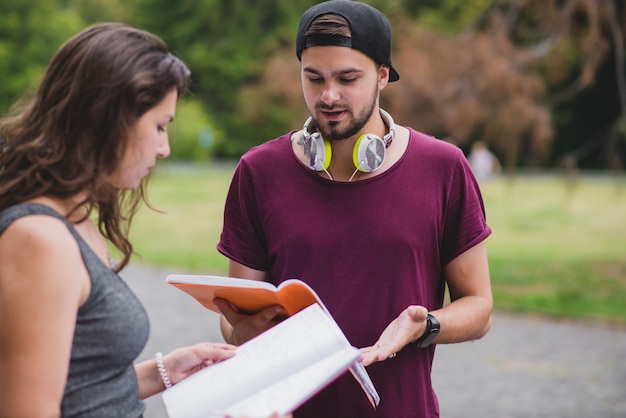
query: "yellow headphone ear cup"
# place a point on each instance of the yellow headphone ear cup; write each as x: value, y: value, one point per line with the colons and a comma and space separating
x: 328, y: 151
x: 368, y: 153
x: 355, y: 152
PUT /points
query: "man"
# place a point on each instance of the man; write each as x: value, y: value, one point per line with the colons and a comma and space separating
x: 376, y: 217
x: 484, y: 163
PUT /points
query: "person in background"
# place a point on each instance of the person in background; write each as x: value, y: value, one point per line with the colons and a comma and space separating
x: 379, y: 219
x: 483, y: 162
x: 73, y: 164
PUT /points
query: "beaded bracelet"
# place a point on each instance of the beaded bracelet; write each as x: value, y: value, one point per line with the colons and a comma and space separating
x: 162, y: 371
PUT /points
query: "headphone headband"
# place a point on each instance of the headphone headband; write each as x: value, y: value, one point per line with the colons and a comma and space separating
x: 392, y: 128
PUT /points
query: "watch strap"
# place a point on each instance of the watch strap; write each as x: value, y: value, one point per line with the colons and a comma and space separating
x: 432, y: 330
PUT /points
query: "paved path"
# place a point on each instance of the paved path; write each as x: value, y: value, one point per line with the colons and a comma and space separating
x: 525, y: 367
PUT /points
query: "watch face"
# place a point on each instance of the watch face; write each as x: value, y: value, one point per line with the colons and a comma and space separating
x: 433, y: 324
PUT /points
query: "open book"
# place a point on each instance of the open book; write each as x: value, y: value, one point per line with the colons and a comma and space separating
x: 318, y: 351
x: 248, y: 296
x: 276, y: 371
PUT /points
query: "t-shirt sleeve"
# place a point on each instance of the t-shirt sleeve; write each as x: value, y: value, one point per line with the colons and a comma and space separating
x: 242, y: 239
x: 465, y: 220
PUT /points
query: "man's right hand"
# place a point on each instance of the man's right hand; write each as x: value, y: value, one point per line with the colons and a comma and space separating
x: 245, y: 326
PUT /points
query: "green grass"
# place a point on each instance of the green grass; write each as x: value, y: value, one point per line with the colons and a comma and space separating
x: 558, y: 248
x: 185, y: 236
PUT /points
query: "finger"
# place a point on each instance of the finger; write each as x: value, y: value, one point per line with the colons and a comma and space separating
x: 366, y: 350
x: 222, y: 346
x: 417, y: 312
x: 273, y: 313
x: 209, y: 347
x: 216, y: 358
x: 214, y: 351
x: 384, y: 352
x: 368, y: 359
x: 225, y: 307
x: 374, y: 354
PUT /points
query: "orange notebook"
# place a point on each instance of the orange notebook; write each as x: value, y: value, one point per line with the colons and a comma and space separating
x: 248, y: 296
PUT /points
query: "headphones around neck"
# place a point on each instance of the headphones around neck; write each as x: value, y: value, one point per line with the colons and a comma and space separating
x: 368, y: 154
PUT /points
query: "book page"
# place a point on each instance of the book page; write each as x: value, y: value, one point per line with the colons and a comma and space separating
x: 298, y: 342
x: 288, y: 394
x: 361, y: 376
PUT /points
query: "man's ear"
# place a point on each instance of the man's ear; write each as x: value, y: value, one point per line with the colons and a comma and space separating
x: 383, y: 76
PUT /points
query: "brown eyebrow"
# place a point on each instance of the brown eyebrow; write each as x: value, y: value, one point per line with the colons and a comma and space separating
x: 334, y: 74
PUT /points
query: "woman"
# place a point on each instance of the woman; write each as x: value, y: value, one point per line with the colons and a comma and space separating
x: 75, y: 156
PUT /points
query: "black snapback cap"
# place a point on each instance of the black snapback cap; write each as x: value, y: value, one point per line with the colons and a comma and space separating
x: 370, y: 29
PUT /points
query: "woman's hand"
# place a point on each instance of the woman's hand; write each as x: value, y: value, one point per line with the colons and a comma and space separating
x: 179, y: 364
x: 183, y: 362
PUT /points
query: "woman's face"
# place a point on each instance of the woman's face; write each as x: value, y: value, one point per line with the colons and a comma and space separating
x: 148, y: 141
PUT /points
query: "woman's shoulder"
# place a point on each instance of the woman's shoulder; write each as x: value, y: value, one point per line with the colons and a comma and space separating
x: 37, y: 238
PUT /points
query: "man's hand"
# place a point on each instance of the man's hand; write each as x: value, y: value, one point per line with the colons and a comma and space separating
x: 407, y: 327
x: 247, y: 326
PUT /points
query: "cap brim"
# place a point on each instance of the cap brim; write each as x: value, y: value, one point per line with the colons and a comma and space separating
x: 393, y: 74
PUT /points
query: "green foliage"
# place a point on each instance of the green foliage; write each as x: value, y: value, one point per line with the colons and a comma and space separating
x: 30, y: 33
x: 231, y: 44
x: 446, y: 16
x: 192, y: 135
x: 226, y: 44
x: 94, y: 11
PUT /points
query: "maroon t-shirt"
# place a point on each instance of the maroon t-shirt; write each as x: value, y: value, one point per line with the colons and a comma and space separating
x: 368, y: 248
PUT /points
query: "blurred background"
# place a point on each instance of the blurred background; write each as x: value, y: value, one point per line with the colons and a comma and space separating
x: 541, y: 82
x: 534, y: 93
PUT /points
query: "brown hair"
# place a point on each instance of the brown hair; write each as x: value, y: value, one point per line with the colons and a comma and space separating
x: 74, y: 130
x: 329, y: 24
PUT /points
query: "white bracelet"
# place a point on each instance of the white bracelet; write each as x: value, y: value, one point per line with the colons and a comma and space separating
x: 162, y: 371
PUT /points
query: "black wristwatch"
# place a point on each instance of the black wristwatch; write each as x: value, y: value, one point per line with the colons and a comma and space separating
x: 432, y: 330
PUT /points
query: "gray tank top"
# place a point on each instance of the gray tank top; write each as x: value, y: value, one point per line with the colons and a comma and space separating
x: 111, y: 330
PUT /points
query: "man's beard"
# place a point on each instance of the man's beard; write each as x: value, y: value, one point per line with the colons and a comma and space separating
x: 333, y: 132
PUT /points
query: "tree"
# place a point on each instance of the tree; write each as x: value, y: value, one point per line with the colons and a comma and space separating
x: 578, y: 48
x: 541, y: 81
x: 227, y: 44
x: 30, y: 33
x: 463, y: 88
x: 538, y: 80
x: 95, y: 11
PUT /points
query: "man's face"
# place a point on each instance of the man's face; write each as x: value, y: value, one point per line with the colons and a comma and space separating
x: 341, y: 87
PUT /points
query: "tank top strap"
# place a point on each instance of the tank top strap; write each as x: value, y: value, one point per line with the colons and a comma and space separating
x: 12, y: 213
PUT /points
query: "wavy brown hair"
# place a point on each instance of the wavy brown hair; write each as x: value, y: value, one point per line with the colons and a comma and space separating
x: 75, y: 129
